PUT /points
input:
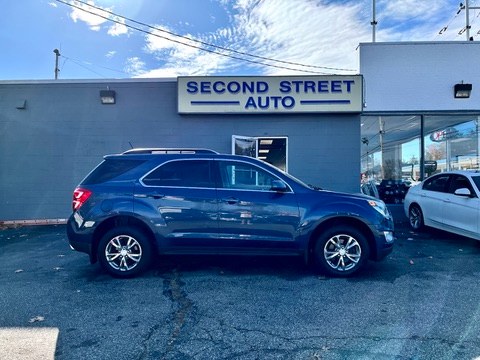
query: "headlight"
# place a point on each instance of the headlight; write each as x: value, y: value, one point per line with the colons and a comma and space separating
x: 380, y: 207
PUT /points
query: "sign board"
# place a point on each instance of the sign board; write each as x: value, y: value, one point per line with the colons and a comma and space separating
x: 443, y: 135
x: 270, y: 94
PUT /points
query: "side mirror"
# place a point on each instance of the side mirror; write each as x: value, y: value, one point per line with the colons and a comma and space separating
x: 463, y: 192
x: 279, y: 186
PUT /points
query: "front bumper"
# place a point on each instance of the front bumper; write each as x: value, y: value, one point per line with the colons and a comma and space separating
x: 383, y: 251
x: 80, y: 240
x: 384, y: 240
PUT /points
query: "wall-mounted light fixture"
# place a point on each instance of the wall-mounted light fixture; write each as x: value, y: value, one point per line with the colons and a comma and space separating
x: 462, y: 91
x: 21, y: 104
x: 107, y: 96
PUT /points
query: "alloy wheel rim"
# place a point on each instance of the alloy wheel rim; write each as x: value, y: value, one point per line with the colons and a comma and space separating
x: 414, y: 218
x: 342, y: 252
x: 123, y: 253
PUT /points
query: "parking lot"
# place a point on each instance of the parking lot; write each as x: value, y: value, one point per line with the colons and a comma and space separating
x: 421, y: 302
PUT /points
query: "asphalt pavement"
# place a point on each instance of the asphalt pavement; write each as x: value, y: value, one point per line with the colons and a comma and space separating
x: 421, y: 302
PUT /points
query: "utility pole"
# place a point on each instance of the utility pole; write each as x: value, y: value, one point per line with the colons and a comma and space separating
x: 467, y: 19
x: 374, y: 21
x: 467, y: 9
x: 381, y: 125
x: 57, y: 54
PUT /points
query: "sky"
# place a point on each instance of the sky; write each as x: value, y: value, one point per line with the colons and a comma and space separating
x: 169, y: 38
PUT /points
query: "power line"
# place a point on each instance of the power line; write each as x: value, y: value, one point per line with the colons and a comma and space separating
x: 82, y: 64
x: 464, y: 29
x: 197, y: 41
x: 211, y: 45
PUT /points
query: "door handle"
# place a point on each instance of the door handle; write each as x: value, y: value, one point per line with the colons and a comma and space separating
x: 151, y: 196
x: 155, y: 196
x: 231, y: 200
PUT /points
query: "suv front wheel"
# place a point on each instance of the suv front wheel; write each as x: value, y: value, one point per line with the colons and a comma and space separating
x: 341, y: 251
x: 124, y: 252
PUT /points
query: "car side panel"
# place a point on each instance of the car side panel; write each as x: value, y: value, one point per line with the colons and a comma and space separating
x: 258, y: 218
x: 431, y: 203
x: 462, y: 215
x: 180, y: 216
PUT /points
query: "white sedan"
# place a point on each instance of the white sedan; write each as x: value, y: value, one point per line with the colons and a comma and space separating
x: 447, y: 201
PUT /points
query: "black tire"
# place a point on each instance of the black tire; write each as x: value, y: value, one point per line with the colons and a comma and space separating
x: 415, y: 217
x: 124, y: 252
x: 341, y: 251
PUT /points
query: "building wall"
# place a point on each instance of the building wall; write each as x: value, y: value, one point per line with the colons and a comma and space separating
x: 419, y: 76
x: 53, y: 133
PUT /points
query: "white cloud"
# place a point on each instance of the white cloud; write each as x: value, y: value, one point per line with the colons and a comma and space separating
x: 263, y: 29
x: 160, y: 39
x: 410, y: 20
x: 312, y: 33
x: 95, y: 16
x: 410, y: 9
x: 324, y: 34
x: 87, y: 15
x: 135, y: 66
x: 110, y: 54
x: 178, y: 53
x: 118, y: 28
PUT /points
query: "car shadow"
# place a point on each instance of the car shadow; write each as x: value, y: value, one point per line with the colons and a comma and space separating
x: 285, y: 267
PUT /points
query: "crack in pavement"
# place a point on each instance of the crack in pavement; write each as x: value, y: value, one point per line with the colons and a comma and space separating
x: 172, y: 286
x: 182, y: 307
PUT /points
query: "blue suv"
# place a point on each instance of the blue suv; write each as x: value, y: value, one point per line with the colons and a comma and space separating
x: 144, y: 202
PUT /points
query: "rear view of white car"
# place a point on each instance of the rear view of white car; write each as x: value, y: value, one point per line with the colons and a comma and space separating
x: 447, y: 201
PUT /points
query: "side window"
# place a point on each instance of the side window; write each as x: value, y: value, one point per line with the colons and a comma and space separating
x: 182, y: 173
x: 459, y: 182
x: 238, y: 175
x: 436, y: 183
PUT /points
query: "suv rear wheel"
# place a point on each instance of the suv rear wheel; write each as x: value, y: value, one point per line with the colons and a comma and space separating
x: 341, y: 251
x: 124, y: 252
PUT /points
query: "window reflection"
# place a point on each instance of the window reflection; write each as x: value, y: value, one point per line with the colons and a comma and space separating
x: 391, y: 147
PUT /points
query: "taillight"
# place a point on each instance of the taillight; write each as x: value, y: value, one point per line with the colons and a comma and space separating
x: 79, y: 197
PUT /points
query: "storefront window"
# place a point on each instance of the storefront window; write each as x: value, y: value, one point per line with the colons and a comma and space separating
x: 273, y: 150
x: 391, y: 148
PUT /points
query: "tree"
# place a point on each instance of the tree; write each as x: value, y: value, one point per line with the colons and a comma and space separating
x: 435, y: 152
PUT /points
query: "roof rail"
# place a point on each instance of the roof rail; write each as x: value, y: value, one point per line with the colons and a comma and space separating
x: 169, y: 151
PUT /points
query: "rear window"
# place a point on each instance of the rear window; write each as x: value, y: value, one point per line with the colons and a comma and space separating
x: 109, y: 169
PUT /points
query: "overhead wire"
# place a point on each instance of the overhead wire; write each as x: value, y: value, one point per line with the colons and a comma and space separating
x: 82, y: 64
x: 209, y: 44
x: 445, y: 28
x: 464, y: 29
x: 197, y: 41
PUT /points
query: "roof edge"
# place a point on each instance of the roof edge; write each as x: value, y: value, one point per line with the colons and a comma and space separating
x: 409, y: 43
x: 88, y: 81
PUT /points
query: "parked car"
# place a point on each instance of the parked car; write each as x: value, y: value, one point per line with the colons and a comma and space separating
x: 393, y: 191
x: 135, y: 205
x: 448, y: 201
